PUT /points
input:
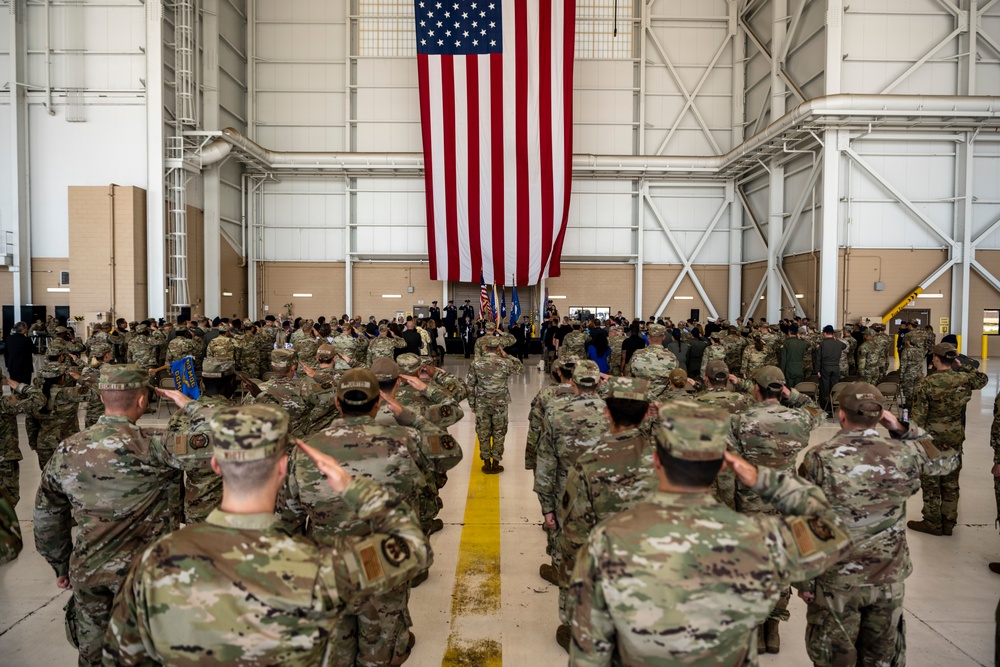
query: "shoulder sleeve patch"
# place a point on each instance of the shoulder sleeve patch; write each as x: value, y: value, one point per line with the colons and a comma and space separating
x: 395, y: 550
x: 180, y: 445
x: 803, y: 537
x: 370, y: 563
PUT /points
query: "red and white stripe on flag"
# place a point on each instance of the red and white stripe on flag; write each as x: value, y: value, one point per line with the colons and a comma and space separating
x: 497, y: 129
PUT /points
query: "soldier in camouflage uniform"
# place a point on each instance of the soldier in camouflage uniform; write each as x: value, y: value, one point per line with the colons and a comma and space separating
x: 885, y: 347
x: 422, y: 397
x: 10, y: 530
x: 605, y: 480
x: 181, y: 346
x: 682, y: 580
x: 912, y: 367
x: 377, y: 632
x: 755, y: 355
x: 506, y: 340
x: 847, y: 355
x: 616, y: 336
x: 938, y: 408
x: 562, y: 372
x: 438, y: 452
x: 571, y: 426
x: 772, y: 433
x: 115, y: 521
x: 57, y: 416
x: 143, y: 351
x: 439, y: 377
x: 856, y: 607
x: 24, y: 398
x: 574, y: 344
x: 488, y: 382
x: 869, y: 364
x: 298, y: 396
x: 247, y: 352
x: 718, y: 394
x: 202, y: 488
x: 100, y: 354
x: 222, y: 346
x: 244, y: 591
x: 654, y: 363
x: 353, y: 347
x: 735, y: 344
x: 384, y: 346
x: 305, y: 341
x: 716, y: 351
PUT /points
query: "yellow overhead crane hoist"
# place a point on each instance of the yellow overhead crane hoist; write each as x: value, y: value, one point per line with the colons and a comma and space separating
x: 907, y: 300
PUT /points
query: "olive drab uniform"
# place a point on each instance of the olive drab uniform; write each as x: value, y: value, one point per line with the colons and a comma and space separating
x: 488, y: 382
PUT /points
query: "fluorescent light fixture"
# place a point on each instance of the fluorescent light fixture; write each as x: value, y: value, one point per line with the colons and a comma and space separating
x: 684, y: 298
x: 302, y: 296
x: 556, y: 297
x: 392, y: 296
x: 930, y: 296
x: 761, y: 298
x: 227, y: 294
x: 800, y: 296
x: 56, y: 289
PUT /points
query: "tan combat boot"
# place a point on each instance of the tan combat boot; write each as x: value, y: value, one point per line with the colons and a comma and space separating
x: 771, y: 638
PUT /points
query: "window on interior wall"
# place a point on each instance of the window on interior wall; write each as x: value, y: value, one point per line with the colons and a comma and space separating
x: 605, y: 29
x: 385, y: 28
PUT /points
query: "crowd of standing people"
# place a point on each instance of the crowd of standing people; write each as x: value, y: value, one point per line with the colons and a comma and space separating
x: 297, y: 492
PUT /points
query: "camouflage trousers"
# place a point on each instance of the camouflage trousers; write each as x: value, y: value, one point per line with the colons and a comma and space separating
x: 491, y: 429
x: 10, y: 473
x: 941, y: 497
x: 376, y: 634
x: 860, y: 626
x: 88, y: 614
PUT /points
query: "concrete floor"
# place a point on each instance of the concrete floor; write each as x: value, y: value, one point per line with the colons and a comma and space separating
x: 950, y: 601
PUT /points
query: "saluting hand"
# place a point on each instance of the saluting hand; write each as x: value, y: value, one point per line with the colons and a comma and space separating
x: 414, y: 382
x: 178, y: 398
x: 338, y: 478
x: 745, y: 471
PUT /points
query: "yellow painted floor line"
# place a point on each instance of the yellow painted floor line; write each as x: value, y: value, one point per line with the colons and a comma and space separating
x: 475, y: 600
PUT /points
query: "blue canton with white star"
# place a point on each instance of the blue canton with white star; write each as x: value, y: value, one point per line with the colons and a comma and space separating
x: 458, y: 28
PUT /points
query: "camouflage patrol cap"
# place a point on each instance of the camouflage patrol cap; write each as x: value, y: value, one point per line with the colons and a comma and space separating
x: 99, y: 349
x: 586, y: 373
x: 408, y: 363
x: 385, y: 369
x: 564, y: 365
x: 946, y: 351
x: 770, y: 377
x: 861, y: 398
x: 217, y: 368
x: 133, y: 324
x: 717, y: 370
x: 491, y: 342
x: 248, y: 432
x: 677, y: 378
x: 491, y: 326
x: 61, y: 330
x: 325, y: 352
x: 141, y: 328
x: 656, y: 330
x: 284, y: 358
x: 224, y: 328
x: 358, y: 386
x: 383, y: 328
x: 122, y: 377
x: 913, y: 323
x: 51, y: 371
x: 692, y: 431
x: 633, y: 389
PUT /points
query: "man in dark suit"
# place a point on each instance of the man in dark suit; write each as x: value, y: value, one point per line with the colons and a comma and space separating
x: 451, y: 319
x: 435, y: 313
x: 19, y: 354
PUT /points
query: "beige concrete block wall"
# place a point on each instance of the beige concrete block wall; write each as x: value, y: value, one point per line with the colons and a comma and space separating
x: 657, y: 279
x: 280, y: 280
x: 372, y: 280
x: 595, y: 285
x: 90, y: 261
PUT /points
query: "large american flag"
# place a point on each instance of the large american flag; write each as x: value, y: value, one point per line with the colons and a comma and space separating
x: 496, y: 108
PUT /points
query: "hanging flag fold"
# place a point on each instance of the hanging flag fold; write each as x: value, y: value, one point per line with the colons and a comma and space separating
x: 184, y: 376
x: 496, y: 110
x: 515, y: 308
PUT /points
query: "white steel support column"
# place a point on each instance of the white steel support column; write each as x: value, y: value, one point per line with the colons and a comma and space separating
x: 640, y: 233
x: 211, y: 177
x: 961, y: 273
x: 776, y: 188
x: 19, y: 172
x: 829, y: 258
x: 834, y: 45
x: 155, y: 254
x: 739, y: 48
x: 349, y: 186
